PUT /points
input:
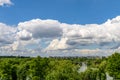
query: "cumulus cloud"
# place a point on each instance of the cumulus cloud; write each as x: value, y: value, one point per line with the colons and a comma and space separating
x: 57, y: 44
x: 24, y: 35
x: 42, y: 28
x: 7, y: 34
x: 52, y: 36
x: 5, y: 2
x: 15, y: 45
x: 105, y: 35
x: 25, y: 44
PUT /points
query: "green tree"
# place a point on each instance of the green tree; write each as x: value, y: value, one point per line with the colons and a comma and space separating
x: 63, y: 70
x: 113, y: 65
x: 38, y: 67
x: 8, y: 69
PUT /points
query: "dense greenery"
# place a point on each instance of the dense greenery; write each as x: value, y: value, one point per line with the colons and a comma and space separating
x: 113, y: 65
x: 54, y: 68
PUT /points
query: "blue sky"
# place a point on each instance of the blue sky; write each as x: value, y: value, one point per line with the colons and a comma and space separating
x: 59, y: 27
x: 67, y: 11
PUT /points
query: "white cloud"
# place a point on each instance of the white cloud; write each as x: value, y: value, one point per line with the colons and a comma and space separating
x: 5, y: 2
x: 24, y: 35
x: 41, y: 28
x: 15, y: 45
x: 91, y: 35
x: 59, y: 38
x: 57, y: 44
x: 23, y: 44
x: 7, y: 34
x: 107, y: 32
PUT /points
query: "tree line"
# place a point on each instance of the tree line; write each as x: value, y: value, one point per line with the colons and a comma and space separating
x: 39, y: 68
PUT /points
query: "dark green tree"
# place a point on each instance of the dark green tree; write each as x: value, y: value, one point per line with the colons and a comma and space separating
x: 113, y: 65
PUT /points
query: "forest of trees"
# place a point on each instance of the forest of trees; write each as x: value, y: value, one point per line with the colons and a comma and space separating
x: 38, y: 68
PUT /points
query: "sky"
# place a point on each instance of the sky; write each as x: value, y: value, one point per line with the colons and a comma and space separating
x: 59, y: 27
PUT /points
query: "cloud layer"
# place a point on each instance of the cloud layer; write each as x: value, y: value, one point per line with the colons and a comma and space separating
x: 51, y: 37
x: 88, y: 36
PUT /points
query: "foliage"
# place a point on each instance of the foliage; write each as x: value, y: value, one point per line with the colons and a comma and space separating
x: 54, y: 68
x: 113, y: 65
